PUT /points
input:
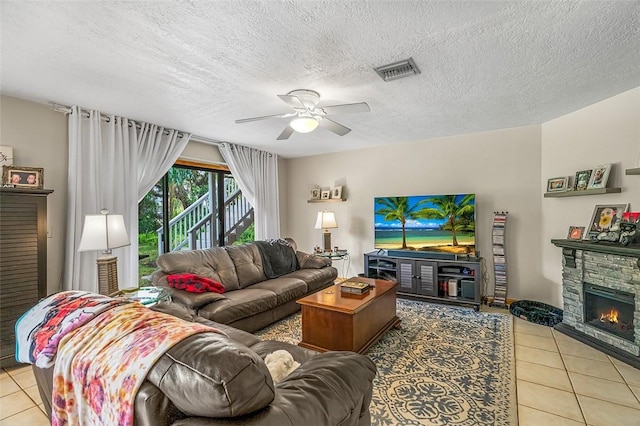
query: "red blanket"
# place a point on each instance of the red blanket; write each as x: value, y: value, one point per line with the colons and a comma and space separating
x: 194, y: 283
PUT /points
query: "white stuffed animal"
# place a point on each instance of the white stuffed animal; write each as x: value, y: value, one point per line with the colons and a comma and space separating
x: 280, y: 363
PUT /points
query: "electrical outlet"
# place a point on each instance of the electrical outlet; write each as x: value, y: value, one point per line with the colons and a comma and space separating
x: 49, y: 233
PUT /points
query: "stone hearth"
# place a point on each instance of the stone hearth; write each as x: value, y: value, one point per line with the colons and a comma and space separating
x: 613, y: 267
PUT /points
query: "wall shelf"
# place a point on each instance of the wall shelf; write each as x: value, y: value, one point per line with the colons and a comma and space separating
x: 330, y: 200
x: 634, y: 171
x: 585, y: 192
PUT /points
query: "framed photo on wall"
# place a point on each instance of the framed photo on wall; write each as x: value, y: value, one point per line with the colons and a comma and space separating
x: 582, y: 179
x: 575, y: 233
x: 325, y: 195
x: 23, y: 177
x: 599, y: 177
x: 315, y: 194
x: 336, y: 192
x: 558, y: 184
x: 604, y: 217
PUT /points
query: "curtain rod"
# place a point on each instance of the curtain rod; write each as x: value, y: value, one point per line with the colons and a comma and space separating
x: 67, y: 110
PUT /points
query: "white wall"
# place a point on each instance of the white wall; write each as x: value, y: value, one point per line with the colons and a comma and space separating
x: 501, y: 167
x: 507, y: 169
x: 606, y: 132
x: 39, y: 138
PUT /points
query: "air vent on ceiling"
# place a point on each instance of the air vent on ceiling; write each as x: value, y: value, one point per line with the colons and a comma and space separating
x: 397, y: 70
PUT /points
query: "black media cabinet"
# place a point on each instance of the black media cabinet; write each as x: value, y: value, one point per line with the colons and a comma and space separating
x: 424, y: 278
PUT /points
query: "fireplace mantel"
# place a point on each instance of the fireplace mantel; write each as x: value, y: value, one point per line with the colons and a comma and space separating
x: 599, y: 247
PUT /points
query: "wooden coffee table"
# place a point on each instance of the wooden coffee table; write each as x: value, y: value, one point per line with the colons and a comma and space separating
x: 334, y: 322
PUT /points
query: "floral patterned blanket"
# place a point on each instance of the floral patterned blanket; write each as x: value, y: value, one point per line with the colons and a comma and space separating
x: 100, y: 367
x: 39, y: 330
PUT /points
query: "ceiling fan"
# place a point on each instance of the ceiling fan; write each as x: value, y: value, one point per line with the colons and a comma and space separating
x: 308, y: 115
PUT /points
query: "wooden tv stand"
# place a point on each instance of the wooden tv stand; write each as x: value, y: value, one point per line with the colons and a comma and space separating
x: 422, y: 278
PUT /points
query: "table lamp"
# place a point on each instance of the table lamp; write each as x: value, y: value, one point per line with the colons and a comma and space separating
x: 325, y: 221
x: 105, y: 232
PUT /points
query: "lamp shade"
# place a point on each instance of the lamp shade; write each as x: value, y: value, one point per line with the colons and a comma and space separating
x: 103, y: 232
x: 304, y: 124
x: 326, y: 220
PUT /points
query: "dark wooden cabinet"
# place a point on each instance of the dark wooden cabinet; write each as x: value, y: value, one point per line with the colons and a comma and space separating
x: 23, y: 260
x: 429, y: 279
x: 418, y: 277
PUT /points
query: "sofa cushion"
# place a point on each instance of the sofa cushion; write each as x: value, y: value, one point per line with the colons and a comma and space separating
x: 285, y: 288
x: 248, y: 264
x: 311, y: 261
x: 316, y: 279
x: 211, y: 375
x: 194, y: 300
x: 239, y: 304
x: 213, y: 263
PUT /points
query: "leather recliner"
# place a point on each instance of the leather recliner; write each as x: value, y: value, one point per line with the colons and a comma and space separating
x: 221, y: 379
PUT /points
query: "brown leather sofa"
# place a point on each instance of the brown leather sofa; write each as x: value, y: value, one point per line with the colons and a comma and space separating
x: 211, y: 379
x: 251, y: 301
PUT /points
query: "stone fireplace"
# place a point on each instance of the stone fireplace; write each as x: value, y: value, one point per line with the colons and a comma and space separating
x: 601, y: 297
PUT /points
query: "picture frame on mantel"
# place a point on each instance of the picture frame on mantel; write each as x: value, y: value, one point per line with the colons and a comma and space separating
x: 575, y: 233
x: 599, y: 177
x: 604, y: 217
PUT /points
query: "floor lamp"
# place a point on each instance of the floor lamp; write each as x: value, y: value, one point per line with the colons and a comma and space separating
x: 105, y: 232
x: 326, y: 220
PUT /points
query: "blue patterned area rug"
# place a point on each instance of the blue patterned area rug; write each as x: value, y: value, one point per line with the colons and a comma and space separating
x: 444, y: 366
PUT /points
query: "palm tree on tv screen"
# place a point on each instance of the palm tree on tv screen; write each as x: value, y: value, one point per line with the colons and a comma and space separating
x: 458, y: 215
x: 397, y: 208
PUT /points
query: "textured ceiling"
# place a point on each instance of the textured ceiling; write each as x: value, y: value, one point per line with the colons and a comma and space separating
x: 199, y: 65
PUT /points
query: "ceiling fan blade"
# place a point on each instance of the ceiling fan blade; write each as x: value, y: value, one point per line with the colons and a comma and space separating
x: 344, y: 109
x: 248, y: 120
x: 288, y: 131
x: 292, y: 101
x: 336, y: 128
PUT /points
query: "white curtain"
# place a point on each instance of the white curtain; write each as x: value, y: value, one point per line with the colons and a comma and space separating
x: 158, y: 150
x: 257, y: 175
x: 106, y: 158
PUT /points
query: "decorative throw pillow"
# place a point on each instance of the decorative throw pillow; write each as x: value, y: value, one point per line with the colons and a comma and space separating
x: 194, y: 283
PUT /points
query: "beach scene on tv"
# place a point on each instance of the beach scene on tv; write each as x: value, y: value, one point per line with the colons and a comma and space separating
x: 442, y: 223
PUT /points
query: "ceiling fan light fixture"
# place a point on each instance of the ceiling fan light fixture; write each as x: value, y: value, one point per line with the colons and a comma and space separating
x: 304, y: 124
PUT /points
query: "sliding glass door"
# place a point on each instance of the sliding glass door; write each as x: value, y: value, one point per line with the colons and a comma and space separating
x: 191, y: 208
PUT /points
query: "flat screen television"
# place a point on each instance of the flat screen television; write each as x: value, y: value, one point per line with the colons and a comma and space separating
x: 426, y: 223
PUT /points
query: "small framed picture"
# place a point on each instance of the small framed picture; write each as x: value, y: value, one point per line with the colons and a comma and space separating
x: 604, y: 218
x: 336, y: 192
x: 558, y: 184
x: 315, y: 194
x: 582, y: 179
x: 325, y: 195
x: 599, y: 177
x: 575, y: 232
x: 23, y: 177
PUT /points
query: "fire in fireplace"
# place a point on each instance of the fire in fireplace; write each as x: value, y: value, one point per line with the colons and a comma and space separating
x: 609, y: 310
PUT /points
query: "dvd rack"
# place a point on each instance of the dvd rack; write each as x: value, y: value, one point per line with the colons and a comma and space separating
x: 499, y: 259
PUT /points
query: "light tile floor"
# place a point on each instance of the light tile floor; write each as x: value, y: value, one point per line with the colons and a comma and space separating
x: 560, y: 381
